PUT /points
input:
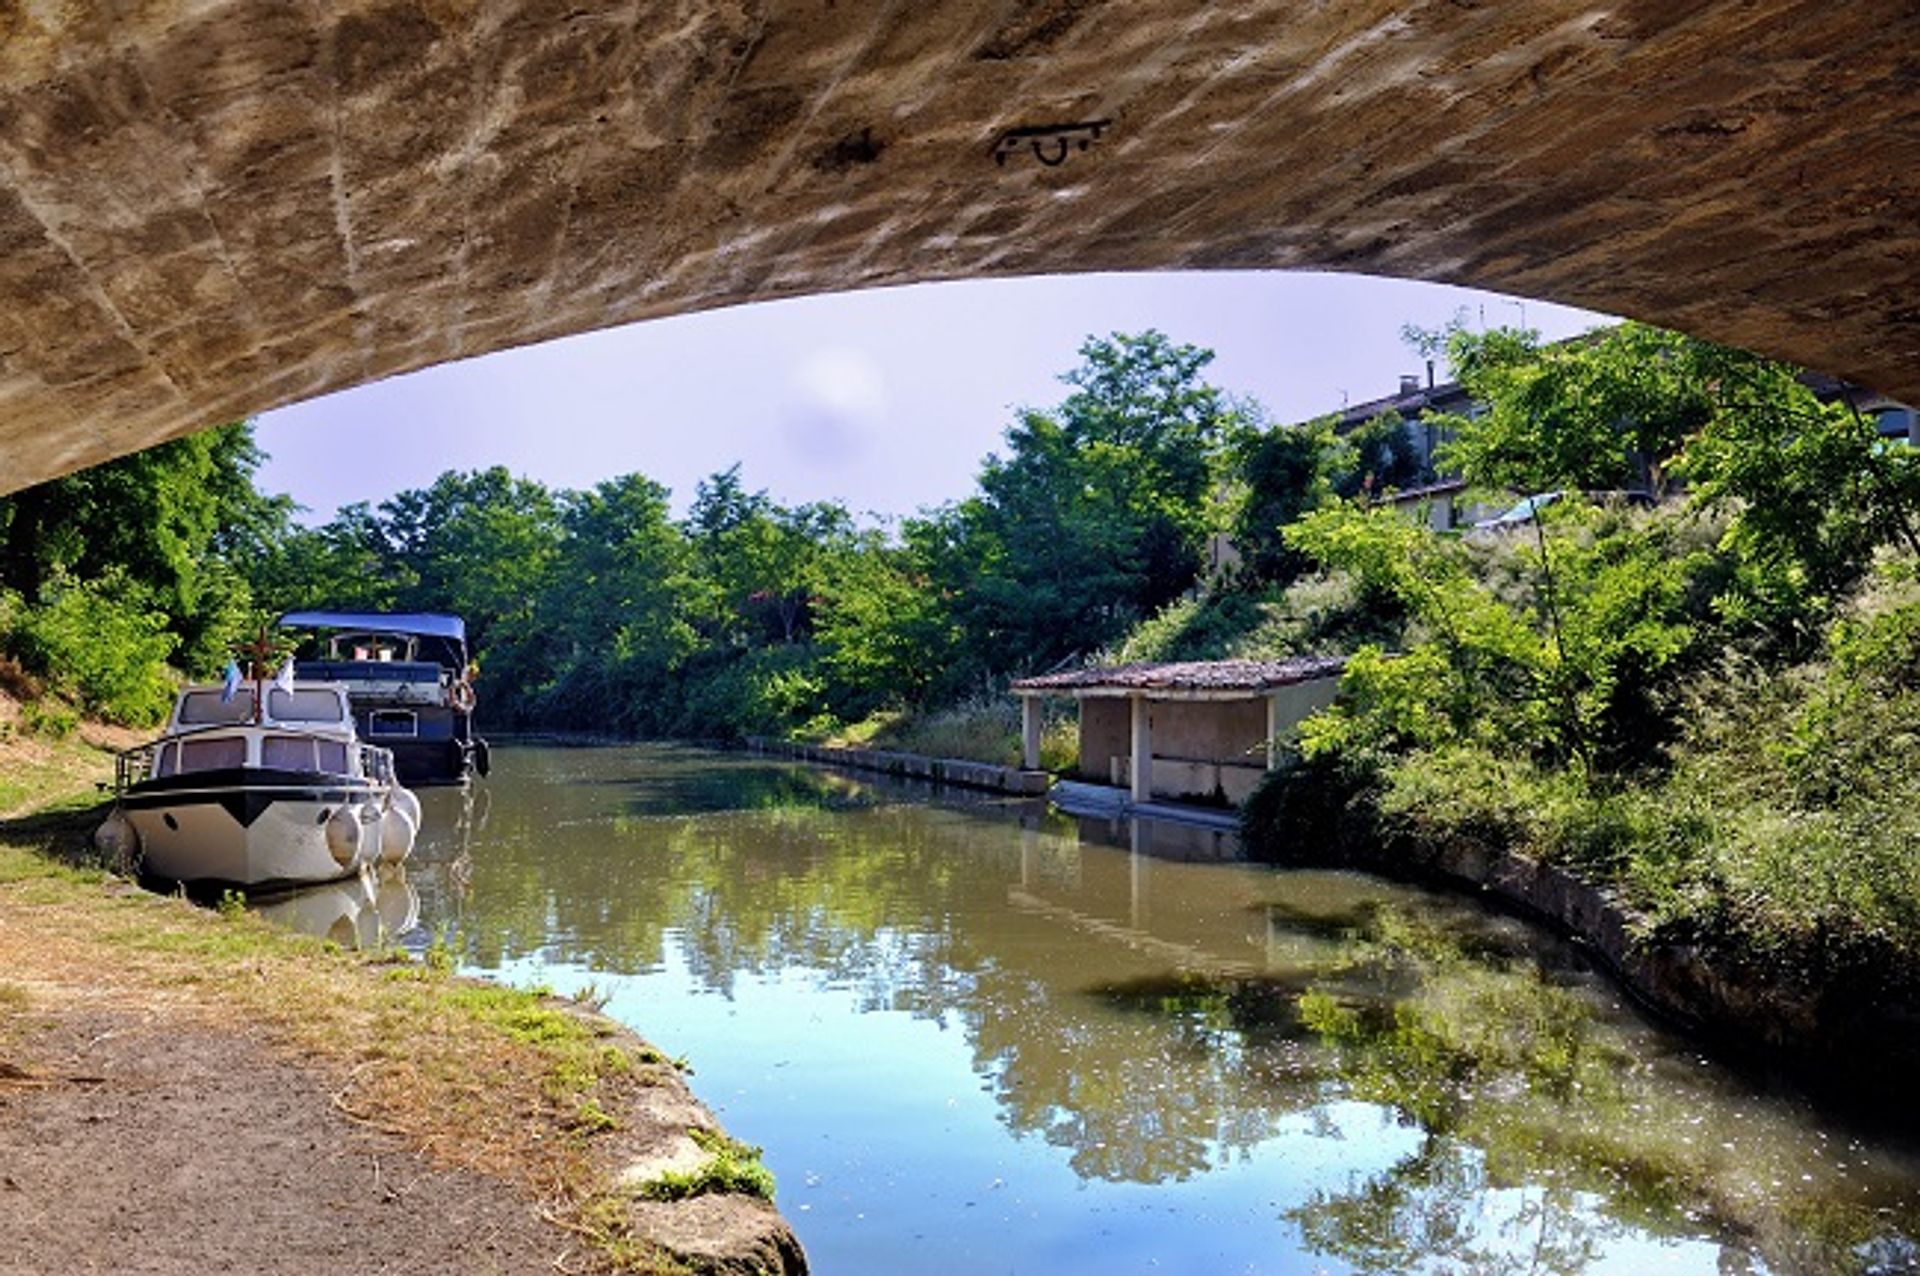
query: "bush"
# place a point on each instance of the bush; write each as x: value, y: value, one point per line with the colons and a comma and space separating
x: 1314, y: 810
x: 101, y: 643
x: 48, y: 718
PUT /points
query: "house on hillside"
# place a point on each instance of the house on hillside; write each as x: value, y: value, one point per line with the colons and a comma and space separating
x: 1203, y: 731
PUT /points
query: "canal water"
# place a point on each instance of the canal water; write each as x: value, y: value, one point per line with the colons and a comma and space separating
x: 973, y: 1036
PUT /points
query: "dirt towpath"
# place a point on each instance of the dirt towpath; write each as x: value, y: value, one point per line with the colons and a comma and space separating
x: 187, y: 1091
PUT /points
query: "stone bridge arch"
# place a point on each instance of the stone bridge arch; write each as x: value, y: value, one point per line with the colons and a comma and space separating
x: 211, y: 209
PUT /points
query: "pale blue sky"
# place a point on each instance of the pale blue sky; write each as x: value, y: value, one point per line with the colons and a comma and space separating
x: 886, y: 399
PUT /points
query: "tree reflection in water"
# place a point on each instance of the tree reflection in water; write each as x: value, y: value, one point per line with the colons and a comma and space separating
x: 1158, y: 1021
x: 1543, y: 1139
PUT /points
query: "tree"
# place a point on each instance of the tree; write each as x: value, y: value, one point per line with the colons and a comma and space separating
x: 1583, y: 415
x: 1097, y: 514
x: 166, y: 524
x: 1284, y: 472
x: 614, y: 621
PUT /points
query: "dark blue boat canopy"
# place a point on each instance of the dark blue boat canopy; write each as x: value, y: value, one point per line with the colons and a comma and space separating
x: 418, y: 623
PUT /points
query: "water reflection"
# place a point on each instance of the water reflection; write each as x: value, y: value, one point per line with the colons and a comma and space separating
x: 368, y: 911
x: 971, y: 1028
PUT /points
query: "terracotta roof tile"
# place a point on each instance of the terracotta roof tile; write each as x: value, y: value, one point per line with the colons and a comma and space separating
x: 1192, y: 675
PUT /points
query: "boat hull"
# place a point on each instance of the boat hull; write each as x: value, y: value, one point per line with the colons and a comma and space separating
x: 256, y: 827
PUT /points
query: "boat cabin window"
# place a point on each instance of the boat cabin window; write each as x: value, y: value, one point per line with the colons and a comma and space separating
x: 211, y: 755
x: 204, y: 708
x: 303, y: 753
x: 392, y: 722
x: 163, y: 761
x: 303, y: 706
x: 381, y: 647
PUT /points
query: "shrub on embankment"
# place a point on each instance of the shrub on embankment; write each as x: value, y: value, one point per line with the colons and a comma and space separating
x: 1681, y: 733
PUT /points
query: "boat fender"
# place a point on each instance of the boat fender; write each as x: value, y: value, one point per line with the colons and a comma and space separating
x: 371, y: 814
x: 482, y: 757
x: 345, y: 837
x: 397, y: 831
x: 405, y: 801
x: 118, y: 842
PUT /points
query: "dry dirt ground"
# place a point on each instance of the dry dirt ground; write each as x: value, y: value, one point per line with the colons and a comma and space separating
x: 185, y: 1091
x: 127, y: 1145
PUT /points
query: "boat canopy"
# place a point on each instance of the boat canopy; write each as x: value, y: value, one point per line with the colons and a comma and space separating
x: 418, y: 623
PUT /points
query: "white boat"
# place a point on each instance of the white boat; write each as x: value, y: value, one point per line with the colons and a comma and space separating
x: 259, y: 786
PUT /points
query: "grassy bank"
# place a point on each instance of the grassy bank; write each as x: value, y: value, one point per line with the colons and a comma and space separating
x: 533, y: 1090
x: 983, y: 729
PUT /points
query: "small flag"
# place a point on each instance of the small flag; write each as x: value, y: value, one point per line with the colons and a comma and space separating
x: 230, y: 685
x: 284, y: 678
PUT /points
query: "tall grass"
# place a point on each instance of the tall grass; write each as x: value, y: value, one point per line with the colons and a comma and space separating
x: 985, y: 728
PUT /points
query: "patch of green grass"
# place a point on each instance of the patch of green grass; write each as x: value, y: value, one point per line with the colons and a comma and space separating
x: 590, y: 1118
x: 983, y: 729
x: 731, y: 1166
x: 519, y: 1014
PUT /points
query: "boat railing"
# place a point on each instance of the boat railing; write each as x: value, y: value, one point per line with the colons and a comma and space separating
x: 133, y: 765
x: 376, y: 763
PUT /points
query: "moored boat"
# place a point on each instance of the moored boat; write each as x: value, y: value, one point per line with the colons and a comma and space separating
x: 259, y: 786
x: 410, y: 681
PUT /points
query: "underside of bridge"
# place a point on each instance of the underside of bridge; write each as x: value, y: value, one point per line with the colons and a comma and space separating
x: 209, y: 209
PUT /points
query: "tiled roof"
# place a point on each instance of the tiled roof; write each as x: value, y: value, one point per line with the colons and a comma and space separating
x: 1192, y: 675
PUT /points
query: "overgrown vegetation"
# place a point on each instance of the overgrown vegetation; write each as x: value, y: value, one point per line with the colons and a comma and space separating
x: 1701, y: 705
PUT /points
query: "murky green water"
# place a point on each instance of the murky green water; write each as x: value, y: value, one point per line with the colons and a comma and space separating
x: 974, y: 1037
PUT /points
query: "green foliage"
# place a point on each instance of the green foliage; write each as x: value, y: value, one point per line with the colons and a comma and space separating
x: 1097, y: 514
x: 101, y: 643
x: 1313, y: 809
x: 1378, y: 456
x: 1284, y: 472
x: 1560, y: 668
x: 731, y: 1166
x: 1579, y: 415
x: 982, y: 728
x: 48, y: 718
x: 109, y: 574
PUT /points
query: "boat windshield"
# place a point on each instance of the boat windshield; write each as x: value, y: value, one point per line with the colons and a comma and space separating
x: 204, y: 708
x: 303, y: 753
x: 213, y: 755
x: 304, y: 706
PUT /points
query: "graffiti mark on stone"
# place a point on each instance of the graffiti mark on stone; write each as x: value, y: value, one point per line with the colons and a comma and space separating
x: 1051, y: 144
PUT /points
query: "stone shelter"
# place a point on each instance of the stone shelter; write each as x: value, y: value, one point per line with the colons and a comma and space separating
x: 1197, y: 730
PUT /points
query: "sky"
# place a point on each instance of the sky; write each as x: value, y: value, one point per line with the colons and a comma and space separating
x: 886, y: 400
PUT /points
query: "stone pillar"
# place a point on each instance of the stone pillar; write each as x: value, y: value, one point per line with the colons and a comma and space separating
x: 1142, y: 750
x: 1273, y: 731
x: 1030, y: 732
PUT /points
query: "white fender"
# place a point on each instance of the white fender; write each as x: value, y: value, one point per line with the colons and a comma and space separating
x: 406, y: 801
x: 345, y: 838
x: 371, y: 815
x: 397, y: 831
x: 118, y: 841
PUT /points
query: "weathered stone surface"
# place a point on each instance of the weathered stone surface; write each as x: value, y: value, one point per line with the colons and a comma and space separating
x: 208, y: 210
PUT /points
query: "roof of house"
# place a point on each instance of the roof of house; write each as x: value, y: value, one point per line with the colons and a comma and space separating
x: 1187, y: 678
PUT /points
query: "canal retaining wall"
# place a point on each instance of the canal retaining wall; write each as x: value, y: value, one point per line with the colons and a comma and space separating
x: 972, y: 775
